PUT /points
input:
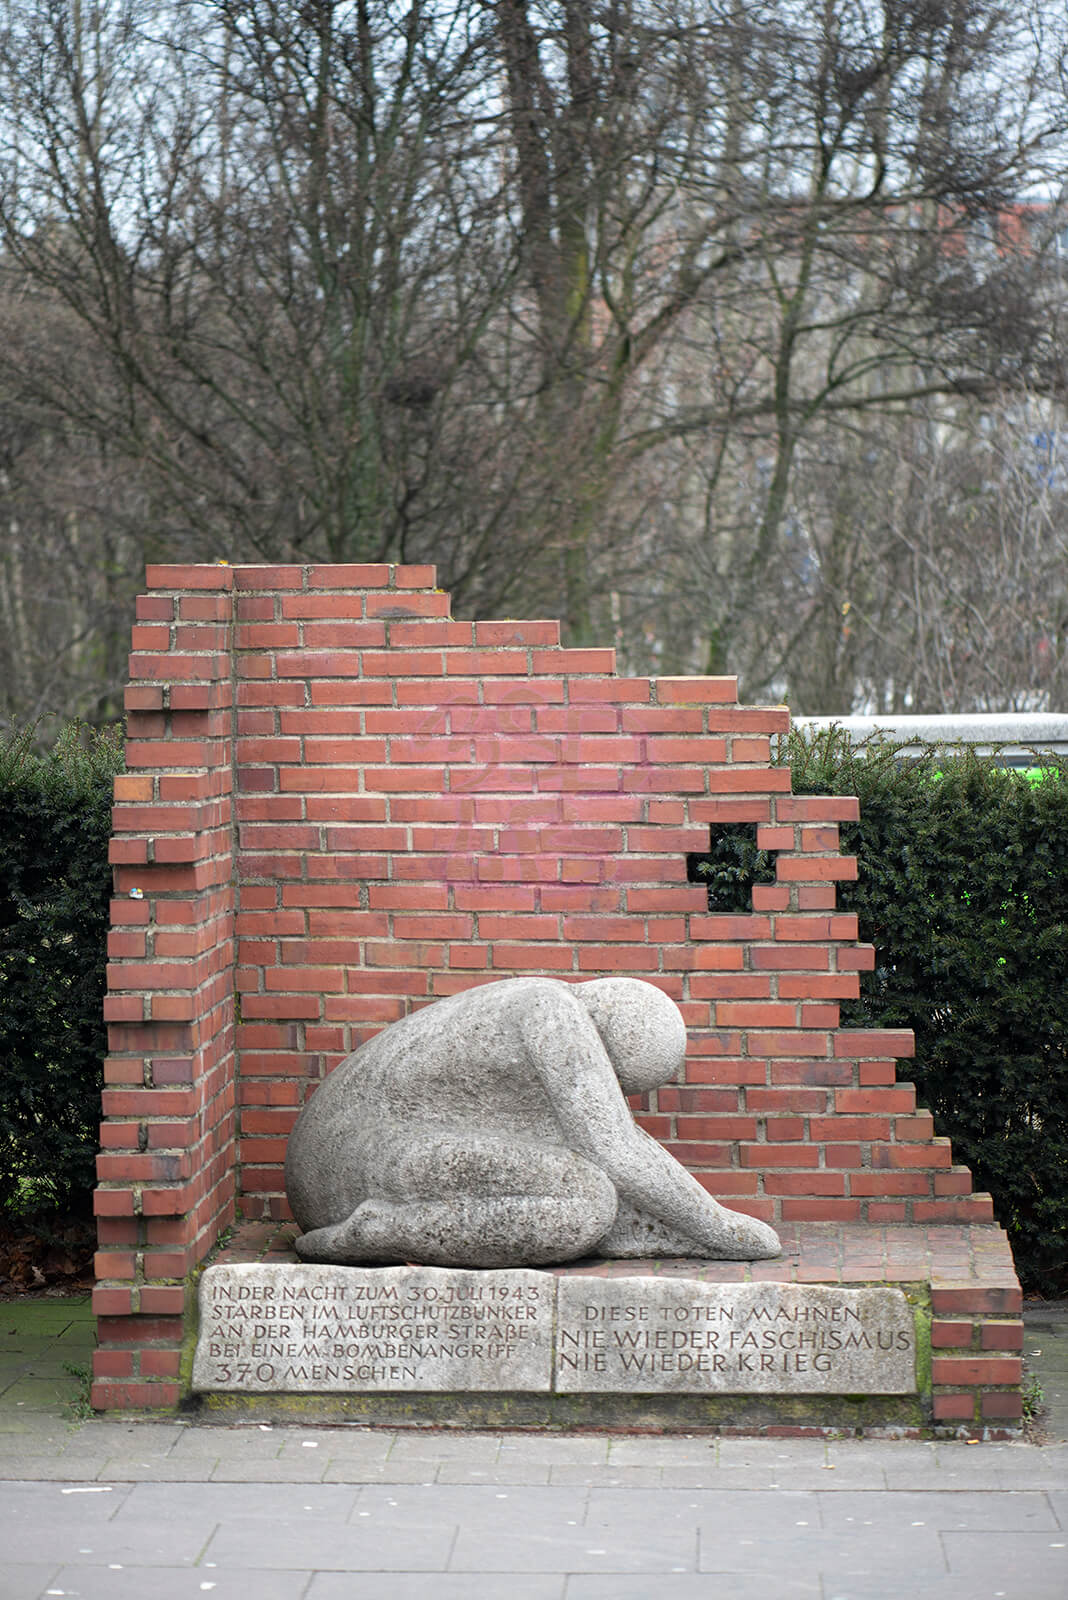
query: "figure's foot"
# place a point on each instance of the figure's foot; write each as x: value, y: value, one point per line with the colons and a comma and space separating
x: 748, y: 1239
x: 345, y: 1243
x: 636, y: 1234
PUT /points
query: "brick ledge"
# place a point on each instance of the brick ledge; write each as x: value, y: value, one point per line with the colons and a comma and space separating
x: 963, y: 1257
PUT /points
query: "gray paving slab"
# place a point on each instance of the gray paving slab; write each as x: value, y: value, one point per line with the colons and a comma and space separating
x: 610, y: 1477
x: 136, y: 1468
x: 436, y: 1586
x: 808, y: 1552
x: 268, y: 1472
x: 267, y: 1438
x: 1058, y: 1500
x: 984, y: 1468
x: 502, y: 1476
x: 690, y: 1586
x: 941, y: 1509
x: 855, y: 1475
x: 649, y: 1448
x: 862, y: 1462
x: 358, y: 1444
x: 175, y: 1541
x: 89, y: 1502
x: 474, y: 1506
x: 772, y: 1470
x: 44, y: 1467
x: 26, y: 1424
x: 26, y: 1580
x: 37, y: 1391
x: 1026, y: 1468
x: 1046, y: 1354
x: 773, y: 1454
x: 945, y: 1466
x: 478, y: 1449
x: 33, y: 1441
x: 17, y: 1448
x: 16, y: 1424
x: 343, y: 1470
x: 1046, y: 1469
x: 558, y: 1450
x: 116, y: 1582
x: 573, y: 1550
x: 1032, y: 1559
x: 287, y: 1543
x: 331, y: 1503
x: 81, y: 1462
x: 699, y: 1476
x: 894, y: 1584
x: 710, y: 1511
x: 250, y: 1443
x: 102, y: 1435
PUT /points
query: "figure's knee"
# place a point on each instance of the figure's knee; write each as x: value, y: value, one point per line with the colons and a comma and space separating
x: 474, y: 1230
x: 427, y: 1165
x: 512, y: 1230
x: 477, y: 1202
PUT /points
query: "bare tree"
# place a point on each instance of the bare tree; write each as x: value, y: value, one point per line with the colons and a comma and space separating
x: 594, y: 305
x: 275, y: 219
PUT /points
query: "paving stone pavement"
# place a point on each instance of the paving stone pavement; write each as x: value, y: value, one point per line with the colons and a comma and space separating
x: 111, y: 1509
x: 1046, y: 1356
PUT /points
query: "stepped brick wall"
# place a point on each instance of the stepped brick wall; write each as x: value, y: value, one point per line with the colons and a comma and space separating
x: 340, y: 804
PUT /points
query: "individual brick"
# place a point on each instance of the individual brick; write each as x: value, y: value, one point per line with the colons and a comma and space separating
x: 983, y: 1371
x: 1001, y: 1300
x: 954, y: 1407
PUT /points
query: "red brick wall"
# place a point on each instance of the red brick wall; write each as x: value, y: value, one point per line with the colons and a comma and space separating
x: 421, y: 805
x: 976, y: 1355
x: 167, y: 1165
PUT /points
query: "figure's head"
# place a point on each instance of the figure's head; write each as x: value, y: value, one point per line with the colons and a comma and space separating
x: 642, y: 1030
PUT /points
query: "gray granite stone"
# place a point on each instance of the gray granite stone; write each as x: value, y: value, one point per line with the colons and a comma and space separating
x: 322, y: 1329
x: 491, y: 1129
x: 332, y: 1329
x: 677, y: 1335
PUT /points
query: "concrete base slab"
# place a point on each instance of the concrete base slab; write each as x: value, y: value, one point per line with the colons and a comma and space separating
x: 956, y: 1286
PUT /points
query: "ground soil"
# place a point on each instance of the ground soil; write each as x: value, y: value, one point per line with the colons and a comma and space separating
x: 41, y: 1255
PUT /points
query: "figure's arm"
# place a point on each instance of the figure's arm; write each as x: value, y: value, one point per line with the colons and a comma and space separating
x: 574, y: 1067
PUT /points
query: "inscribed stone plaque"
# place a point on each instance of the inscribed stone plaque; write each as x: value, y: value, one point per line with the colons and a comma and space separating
x: 675, y: 1335
x: 318, y: 1329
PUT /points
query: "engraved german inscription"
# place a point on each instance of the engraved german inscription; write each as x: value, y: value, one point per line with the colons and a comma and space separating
x: 332, y: 1328
x: 310, y: 1329
x: 650, y: 1335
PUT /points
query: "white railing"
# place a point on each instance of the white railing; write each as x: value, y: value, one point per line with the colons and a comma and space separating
x: 1014, y: 735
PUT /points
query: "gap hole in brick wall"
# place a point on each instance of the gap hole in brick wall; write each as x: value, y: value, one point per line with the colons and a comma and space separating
x: 731, y: 866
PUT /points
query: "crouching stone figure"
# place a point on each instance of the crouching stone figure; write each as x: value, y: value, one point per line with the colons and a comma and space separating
x: 491, y: 1129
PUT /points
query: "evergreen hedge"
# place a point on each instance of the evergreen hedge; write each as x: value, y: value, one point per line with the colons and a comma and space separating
x: 55, y: 883
x: 963, y: 891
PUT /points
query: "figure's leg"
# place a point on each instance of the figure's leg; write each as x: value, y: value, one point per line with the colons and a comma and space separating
x: 461, y: 1232
x: 637, y: 1233
x: 661, y: 1191
x: 474, y: 1205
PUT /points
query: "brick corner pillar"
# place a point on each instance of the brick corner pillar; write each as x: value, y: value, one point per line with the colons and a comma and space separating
x: 166, y: 1171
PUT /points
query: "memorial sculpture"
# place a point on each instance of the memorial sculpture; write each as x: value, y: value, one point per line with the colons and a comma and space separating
x: 491, y: 1129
